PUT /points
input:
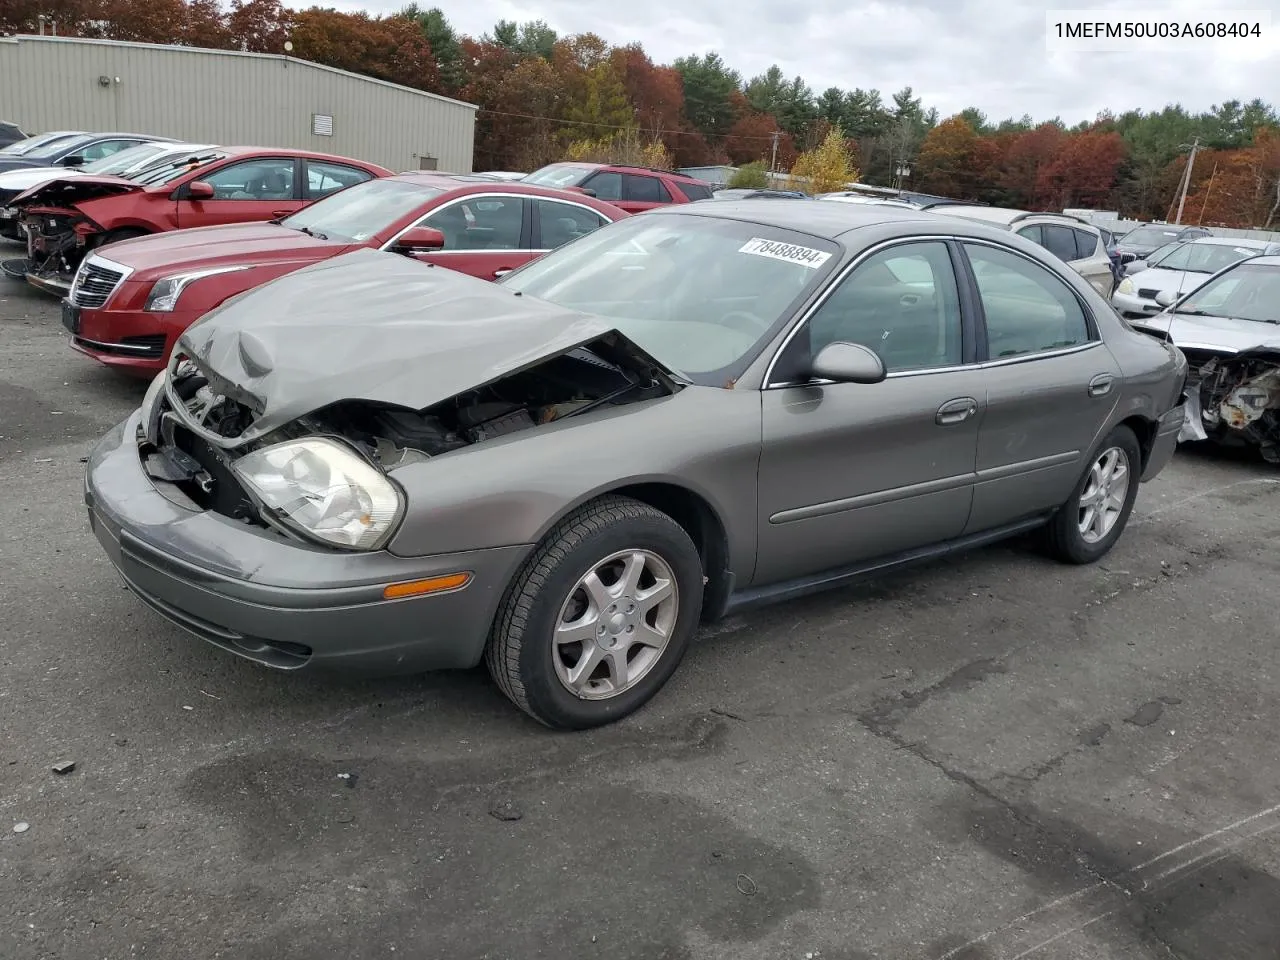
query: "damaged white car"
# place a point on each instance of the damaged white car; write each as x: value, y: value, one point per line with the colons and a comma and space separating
x: 1229, y: 330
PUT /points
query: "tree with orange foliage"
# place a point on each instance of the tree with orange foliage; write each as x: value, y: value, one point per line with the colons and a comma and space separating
x: 1027, y: 153
x: 751, y: 138
x: 947, y: 162
x: 1238, y: 188
x: 388, y: 48
x: 1082, y: 171
x: 259, y: 26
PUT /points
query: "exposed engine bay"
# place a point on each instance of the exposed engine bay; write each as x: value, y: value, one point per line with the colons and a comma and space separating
x: 1238, y: 400
x: 54, y: 246
x: 561, y: 387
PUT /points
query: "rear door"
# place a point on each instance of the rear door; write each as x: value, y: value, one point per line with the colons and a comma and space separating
x: 1050, y: 386
x: 641, y: 192
x: 557, y: 222
x: 325, y: 177
x: 485, y: 235
x: 245, y: 191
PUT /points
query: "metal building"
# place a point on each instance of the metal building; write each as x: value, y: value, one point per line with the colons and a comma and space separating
x: 230, y: 98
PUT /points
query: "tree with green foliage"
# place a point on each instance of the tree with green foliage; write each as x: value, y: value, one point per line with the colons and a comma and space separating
x: 709, y: 89
x: 750, y: 176
x: 444, y: 45
x: 530, y: 39
x: 600, y: 103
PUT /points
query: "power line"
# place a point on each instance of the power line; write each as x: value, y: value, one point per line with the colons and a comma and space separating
x: 619, y: 126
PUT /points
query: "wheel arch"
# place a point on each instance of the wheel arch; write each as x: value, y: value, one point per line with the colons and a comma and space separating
x: 1145, y: 430
x: 695, y: 514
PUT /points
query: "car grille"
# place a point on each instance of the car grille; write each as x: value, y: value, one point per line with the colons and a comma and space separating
x: 94, y: 285
x: 1147, y: 293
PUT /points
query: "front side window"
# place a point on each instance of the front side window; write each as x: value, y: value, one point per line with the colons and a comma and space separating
x: 1028, y: 309
x: 104, y: 149
x: 480, y: 223
x: 562, y: 222
x: 605, y: 186
x: 1086, y: 244
x: 902, y: 303
x: 703, y: 295
x: 266, y: 179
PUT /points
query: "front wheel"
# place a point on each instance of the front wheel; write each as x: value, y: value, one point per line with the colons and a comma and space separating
x: 1089, y: 524
x: 599, y: 617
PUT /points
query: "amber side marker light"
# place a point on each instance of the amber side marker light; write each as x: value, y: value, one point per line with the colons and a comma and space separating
x: 416, y: 588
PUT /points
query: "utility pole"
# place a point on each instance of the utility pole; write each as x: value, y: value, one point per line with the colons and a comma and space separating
x: 1186, y: 180
x: 1207, y: 193
x: 773, y: 162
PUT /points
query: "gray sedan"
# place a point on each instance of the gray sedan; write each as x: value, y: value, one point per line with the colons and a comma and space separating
x: 375, y: 464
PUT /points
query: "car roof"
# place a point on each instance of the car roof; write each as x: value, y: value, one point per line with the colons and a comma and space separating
x: 240, y: 151
x: 817, y: 217
x: 1268, y: 261
x: 1234, y: 242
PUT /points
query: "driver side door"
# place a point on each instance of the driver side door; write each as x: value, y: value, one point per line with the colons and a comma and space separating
x: 854, y: 472
x: 245, y: 191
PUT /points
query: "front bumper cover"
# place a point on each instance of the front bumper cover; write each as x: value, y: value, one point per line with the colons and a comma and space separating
x: 278, y: 602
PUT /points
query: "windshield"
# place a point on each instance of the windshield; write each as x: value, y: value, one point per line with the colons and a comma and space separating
x: 1204, y: 257
x: 24, y: 147
x: 560, y: 175
x: 122, y: 161
x: 700, y: 294
x: 361, y: 211
x: 174, y: 168
x: 55, y: 149
x: 1154, y: 258
x: 1249, y: 291
x: 1150, y: 236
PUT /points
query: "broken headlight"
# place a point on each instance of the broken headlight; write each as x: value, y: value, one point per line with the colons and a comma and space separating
x: 325, y: 490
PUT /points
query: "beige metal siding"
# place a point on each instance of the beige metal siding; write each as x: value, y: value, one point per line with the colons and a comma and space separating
x: 228, y: 98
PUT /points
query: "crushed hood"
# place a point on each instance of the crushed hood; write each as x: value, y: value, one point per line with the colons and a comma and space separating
x: 1219, y: 334
x: 382, y: 328
x: 28, y: 177
x: 66, y: 191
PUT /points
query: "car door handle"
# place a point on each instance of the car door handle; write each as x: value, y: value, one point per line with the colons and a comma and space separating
x: 281, y: 213
x: 956, y: 411
x: 502, y: 272
x: 1101, y: 385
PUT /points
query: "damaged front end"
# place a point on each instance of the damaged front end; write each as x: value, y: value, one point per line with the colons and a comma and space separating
x: 58, y: 233
x: 1234, y: 399
x: 328, y: 477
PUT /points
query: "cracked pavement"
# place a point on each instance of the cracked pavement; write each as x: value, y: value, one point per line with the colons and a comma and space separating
x: 992, y: 758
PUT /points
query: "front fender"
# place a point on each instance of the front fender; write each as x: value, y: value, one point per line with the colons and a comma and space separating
x: 514, y: 489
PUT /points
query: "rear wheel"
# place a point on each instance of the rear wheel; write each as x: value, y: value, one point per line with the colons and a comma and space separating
x: 1089, y: 524
x: 599, y: 617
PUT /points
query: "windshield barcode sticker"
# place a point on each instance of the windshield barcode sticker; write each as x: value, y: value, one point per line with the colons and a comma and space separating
x: 787, y: 252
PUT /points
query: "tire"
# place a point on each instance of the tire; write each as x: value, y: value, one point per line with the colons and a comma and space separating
x: 535, y: 672
x: 1064, y: 538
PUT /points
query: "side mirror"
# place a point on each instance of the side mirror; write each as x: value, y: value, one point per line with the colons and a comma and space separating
x: 420, y: 240
x: 75, y: 160
x: 847, y: 363
x: 1166, y: 299
x: 199, y: 190
x: 587, y: 190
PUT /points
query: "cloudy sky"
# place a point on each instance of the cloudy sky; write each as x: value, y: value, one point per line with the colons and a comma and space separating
x: 993, y: 54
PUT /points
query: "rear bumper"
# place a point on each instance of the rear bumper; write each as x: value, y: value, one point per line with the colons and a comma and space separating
x: 1166, y: 440
x: 277, y: 602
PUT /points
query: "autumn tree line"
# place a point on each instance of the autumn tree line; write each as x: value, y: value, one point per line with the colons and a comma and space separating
x: 545, y: 97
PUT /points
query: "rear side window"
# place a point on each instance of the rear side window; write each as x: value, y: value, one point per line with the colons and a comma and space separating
x: 606, y: 186
x: 1027, y: 308
x: 1086, y: 244
x: 643, y: 189
x: 695, y: 191
x: 1060, y: 241
x: 326, y: 178
x: 1033, y: 233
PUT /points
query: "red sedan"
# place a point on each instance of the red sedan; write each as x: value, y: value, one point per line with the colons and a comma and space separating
x: 130, y: 302
x: 65, y: 219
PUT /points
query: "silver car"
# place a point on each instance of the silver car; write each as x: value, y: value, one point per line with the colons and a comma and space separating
x: 1229, y: 329
x: 377, y: 464
x: 1182, y: 269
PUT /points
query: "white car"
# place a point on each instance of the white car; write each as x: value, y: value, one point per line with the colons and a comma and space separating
x: 1181, y: 269
x: 123, y: 164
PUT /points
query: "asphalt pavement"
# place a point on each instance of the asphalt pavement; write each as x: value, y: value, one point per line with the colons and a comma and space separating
x: 988, y: 759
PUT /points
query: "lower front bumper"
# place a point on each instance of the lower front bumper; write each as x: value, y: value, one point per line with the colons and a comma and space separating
x: 132, y: 341
x: 281, y: 603
x: 1133, y: 307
